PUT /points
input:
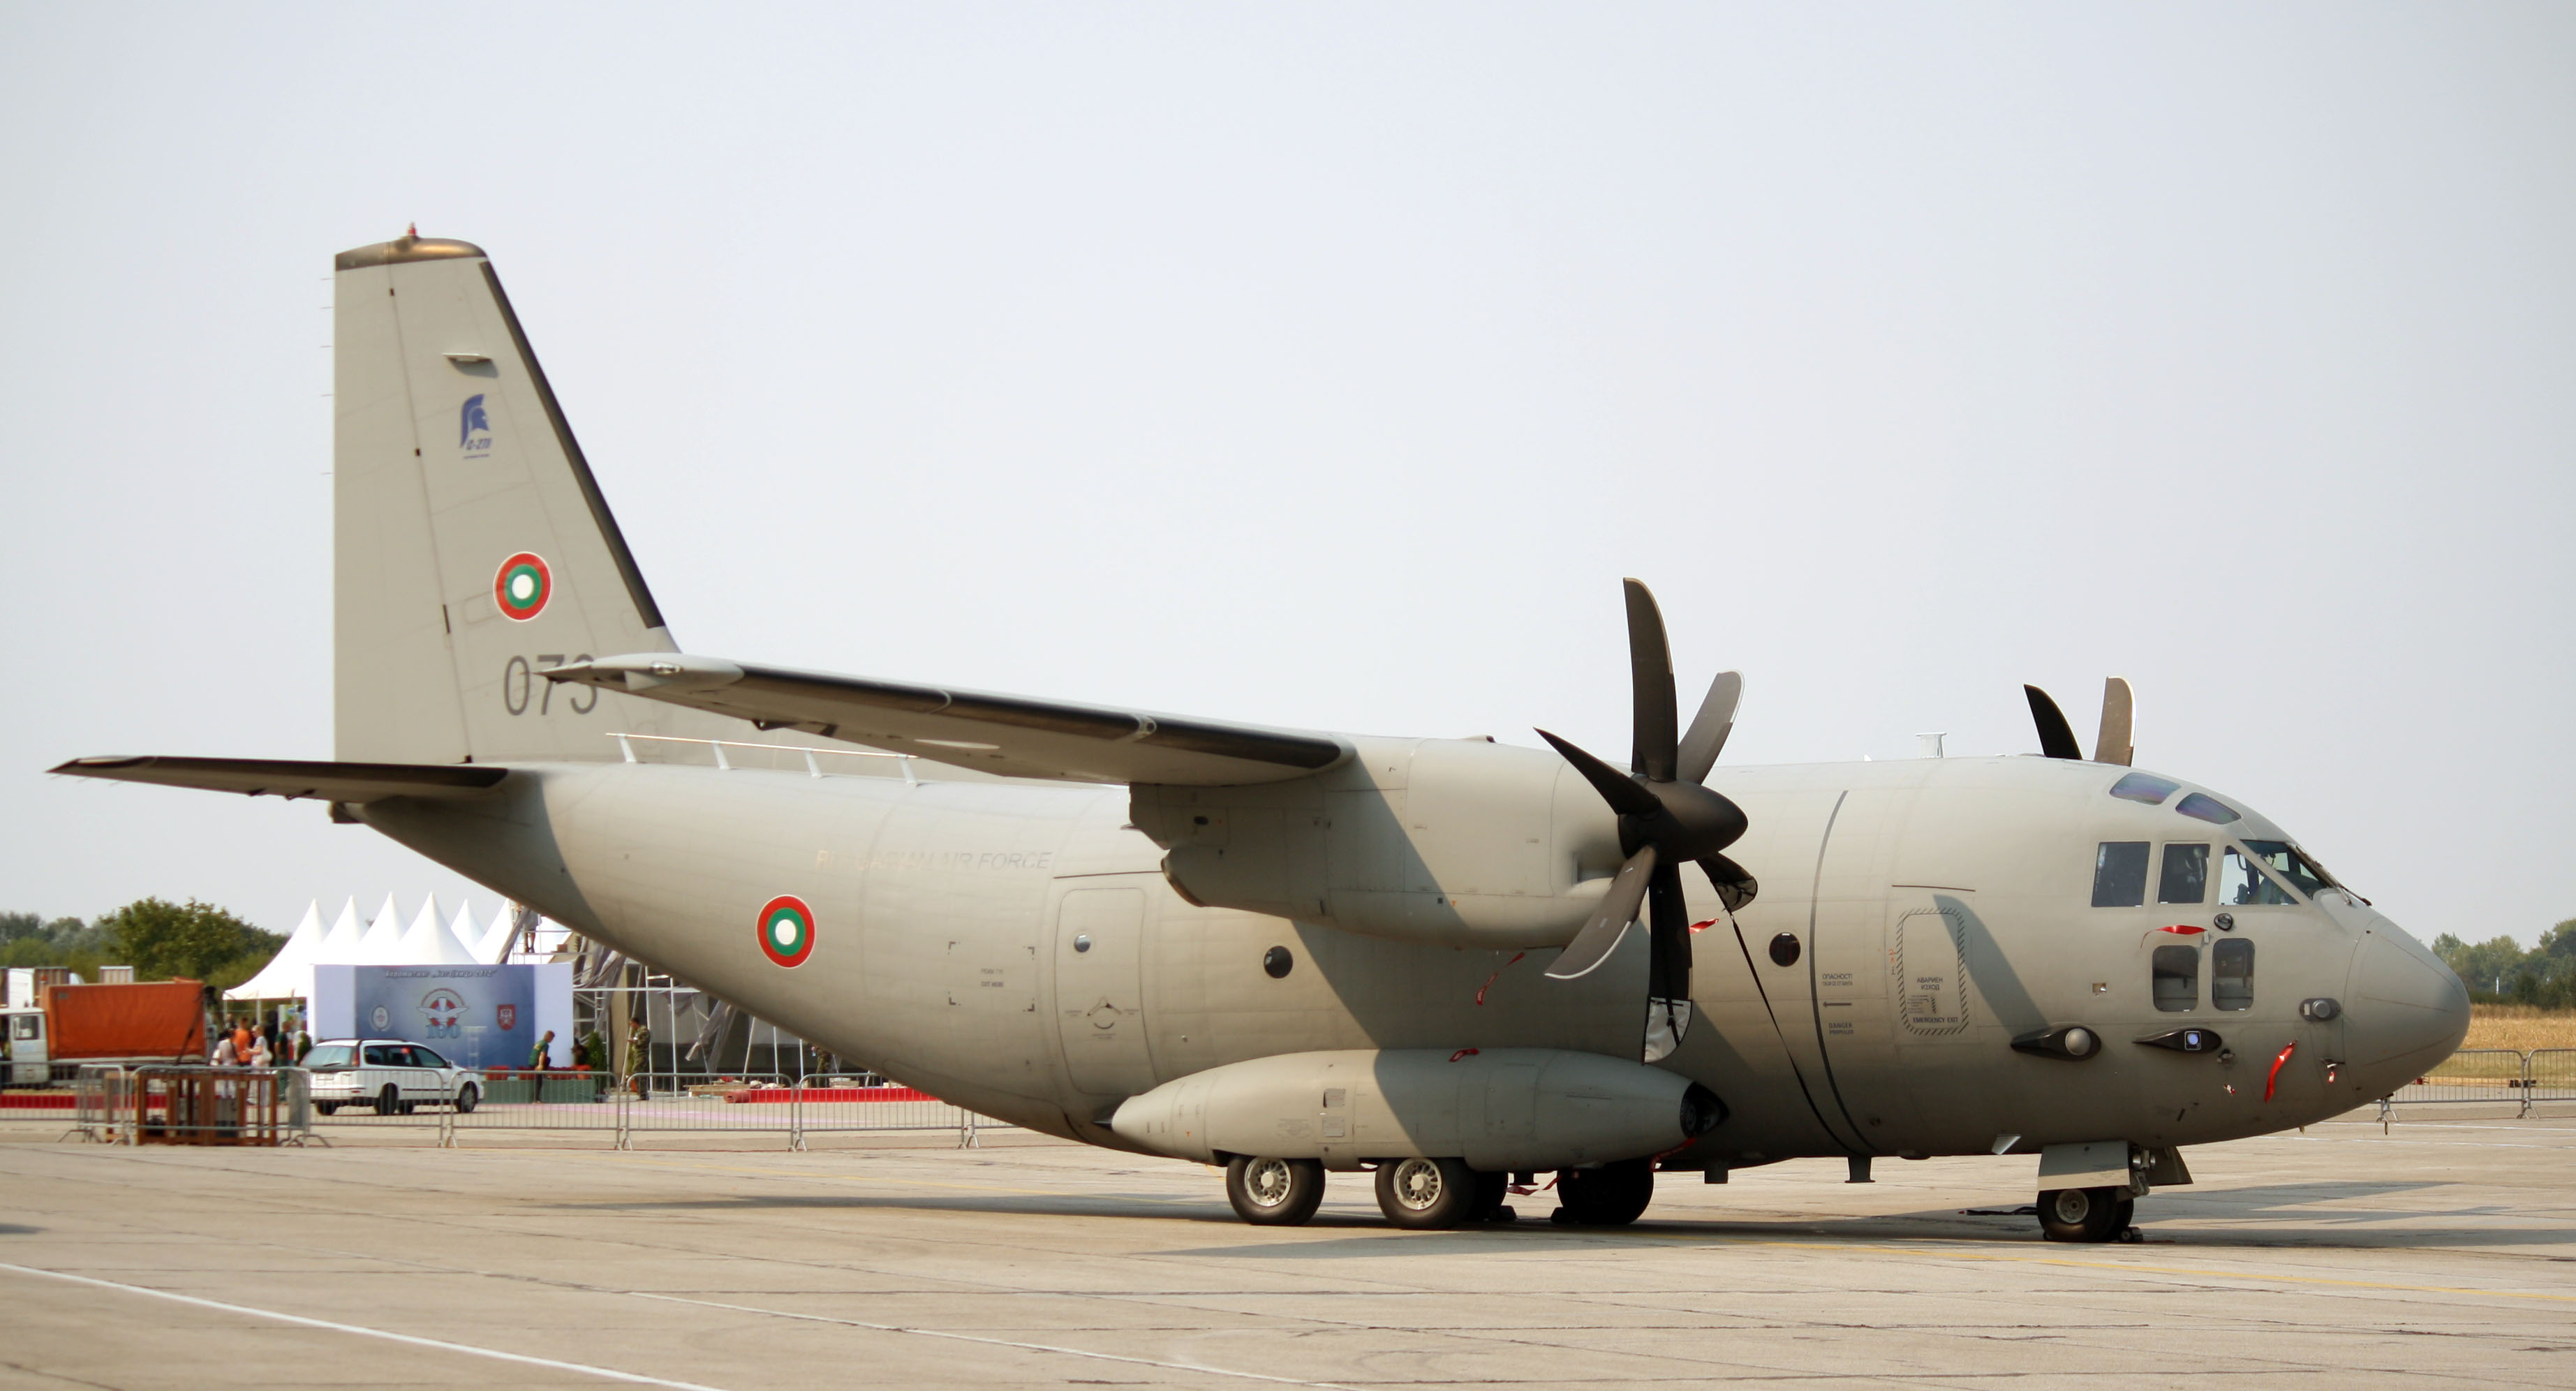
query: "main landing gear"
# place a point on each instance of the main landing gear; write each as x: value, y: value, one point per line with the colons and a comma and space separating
x: 1436, y: 1194
x: 2087, y: 1214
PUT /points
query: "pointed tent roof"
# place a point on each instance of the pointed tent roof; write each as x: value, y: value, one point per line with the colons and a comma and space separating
x: 381, y: 944
x: 290, y: 972
x: 340, y: 944
x: 467, y: 935
x: 494, y: 947
x: 429, y: 943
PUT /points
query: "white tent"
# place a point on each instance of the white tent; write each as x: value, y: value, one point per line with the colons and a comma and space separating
x: 341, y: 942
x: 468, y: 936
x: 494, y: 946
x: 289, y: 974
x: 429, y: 943
x: 382, y: 943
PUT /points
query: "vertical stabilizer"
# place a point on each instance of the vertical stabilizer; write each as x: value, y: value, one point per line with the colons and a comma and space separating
x: 473, y: 548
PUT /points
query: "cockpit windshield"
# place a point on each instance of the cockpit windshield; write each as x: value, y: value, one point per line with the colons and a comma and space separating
x: 2285, y: 860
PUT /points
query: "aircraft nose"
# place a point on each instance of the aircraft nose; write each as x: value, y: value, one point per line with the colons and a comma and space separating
x: 2407, y: 1012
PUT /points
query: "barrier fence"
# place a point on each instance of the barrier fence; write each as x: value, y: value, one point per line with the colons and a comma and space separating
x: 268, y: 1106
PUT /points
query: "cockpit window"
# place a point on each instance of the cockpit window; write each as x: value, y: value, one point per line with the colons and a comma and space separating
x: 2207, y: 808
x: 2144, y: 787
x: 2120, y: 874
x: 2285, y: 860
x: 2186, y: 876
x: 2239, y: 882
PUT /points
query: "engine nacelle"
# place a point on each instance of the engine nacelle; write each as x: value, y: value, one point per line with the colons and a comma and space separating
x: 1458, y: 842
x: 1498, y: 1109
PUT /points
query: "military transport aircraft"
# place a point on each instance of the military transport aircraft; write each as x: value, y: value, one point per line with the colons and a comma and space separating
x: 1453, y: 962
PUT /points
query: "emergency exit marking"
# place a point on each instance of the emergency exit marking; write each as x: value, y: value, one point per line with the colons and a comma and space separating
x: 786, y: 930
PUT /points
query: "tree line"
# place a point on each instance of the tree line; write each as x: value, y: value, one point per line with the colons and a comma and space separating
x: 161, y: 940
x: 2500, y: 971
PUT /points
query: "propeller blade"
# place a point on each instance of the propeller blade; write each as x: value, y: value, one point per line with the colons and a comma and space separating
x: 1622, y: 792
x: 2112, y: 744
x: 1734, y: 886
x: 1650, y: 670
x: 1709, y: 728
x: 1609, y: 922
x: 2055, y: 739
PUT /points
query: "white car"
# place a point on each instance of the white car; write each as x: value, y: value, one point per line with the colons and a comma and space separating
x: 388, y: 1074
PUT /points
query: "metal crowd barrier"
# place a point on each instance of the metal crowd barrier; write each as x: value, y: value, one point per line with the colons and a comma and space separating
x: 190, y: 1105
x: 620, y: 1109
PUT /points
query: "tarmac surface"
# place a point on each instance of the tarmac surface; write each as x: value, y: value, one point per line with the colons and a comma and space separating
x: 2442, y: 1253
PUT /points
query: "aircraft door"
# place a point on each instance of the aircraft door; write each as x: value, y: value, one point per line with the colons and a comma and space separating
x: 1099, y: 990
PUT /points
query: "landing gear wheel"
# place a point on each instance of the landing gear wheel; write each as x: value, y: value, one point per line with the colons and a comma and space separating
x: 1426, y: 1194
x: 465, y: 1099
x: 1613, y: 1195
x: 1274, y: 1192
x: 1491, y: 1190
x: 2085, y: 1214
x: 389, y: 1100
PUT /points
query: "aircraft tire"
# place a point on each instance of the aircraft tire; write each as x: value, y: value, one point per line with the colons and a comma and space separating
x: 1491, y: 1190
x: 1613, y: 1195
x: 1274, y: 1192
x: 1426, y: 1194
x: 2085, y: 1214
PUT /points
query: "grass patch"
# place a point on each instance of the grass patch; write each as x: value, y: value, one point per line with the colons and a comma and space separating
x: 2520, y: 1027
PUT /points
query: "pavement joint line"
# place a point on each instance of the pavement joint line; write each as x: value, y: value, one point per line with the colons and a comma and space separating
x: 997, y: 1342
x: 2119, y: 1266
x: 609, y: 1373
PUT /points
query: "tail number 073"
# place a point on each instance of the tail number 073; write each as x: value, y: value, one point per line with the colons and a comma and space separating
x: 519, y: 684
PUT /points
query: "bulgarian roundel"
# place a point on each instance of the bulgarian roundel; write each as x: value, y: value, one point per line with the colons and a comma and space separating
x: 786, y: 930
x: 523, y: 586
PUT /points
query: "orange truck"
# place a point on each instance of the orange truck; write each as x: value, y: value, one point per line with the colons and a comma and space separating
x: 154, y: 1022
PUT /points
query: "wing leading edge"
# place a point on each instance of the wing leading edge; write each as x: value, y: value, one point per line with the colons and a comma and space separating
x: 281, y: 777
x: 1011, y: 735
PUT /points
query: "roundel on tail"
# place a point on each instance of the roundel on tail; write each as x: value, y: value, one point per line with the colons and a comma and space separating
x: 523, y: 586
x: 786, y: 930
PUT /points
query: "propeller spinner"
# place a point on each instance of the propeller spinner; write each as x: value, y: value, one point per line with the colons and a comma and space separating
x: 1666, y: 818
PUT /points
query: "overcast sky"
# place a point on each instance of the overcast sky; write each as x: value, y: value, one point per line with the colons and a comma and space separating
x: 1328, y: 366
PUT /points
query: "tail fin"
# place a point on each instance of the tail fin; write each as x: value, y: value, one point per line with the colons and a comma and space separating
x: 473, y: 546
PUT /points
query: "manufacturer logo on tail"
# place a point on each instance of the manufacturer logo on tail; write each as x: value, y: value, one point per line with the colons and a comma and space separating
x: 474, y: 428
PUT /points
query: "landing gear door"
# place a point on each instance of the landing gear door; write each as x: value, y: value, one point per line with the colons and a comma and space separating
x: 1099, y: 990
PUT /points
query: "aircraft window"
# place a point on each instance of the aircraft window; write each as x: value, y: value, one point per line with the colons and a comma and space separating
x: 2288, y: 863
x: 2144, y: 787
x: 329, y: 1055
x: 2120, y: 874
x: 2240, y: 882
x: 2186, y: 876
x: 2207, y: 808
x: 2231, y: 974
x: 2177, y: 978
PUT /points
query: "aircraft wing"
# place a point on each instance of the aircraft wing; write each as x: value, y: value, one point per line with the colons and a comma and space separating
x: 281, y: 777
x: 1011, y: 735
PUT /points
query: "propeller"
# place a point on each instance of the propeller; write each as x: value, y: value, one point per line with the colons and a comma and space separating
x: 2110, y: 744
x: 1666, y: 819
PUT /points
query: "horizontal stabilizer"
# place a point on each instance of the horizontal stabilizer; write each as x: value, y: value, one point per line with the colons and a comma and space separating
x: 282, y: 777
x: 1010, y: 735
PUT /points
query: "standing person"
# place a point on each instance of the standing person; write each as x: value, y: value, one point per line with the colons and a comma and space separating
x: 541, y: 1057
x: 226, y: 1054
x: 261, y: 1055
x: 639, y: 1058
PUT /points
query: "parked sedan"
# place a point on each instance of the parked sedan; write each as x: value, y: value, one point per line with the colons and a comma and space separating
x: 388, y: 1074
